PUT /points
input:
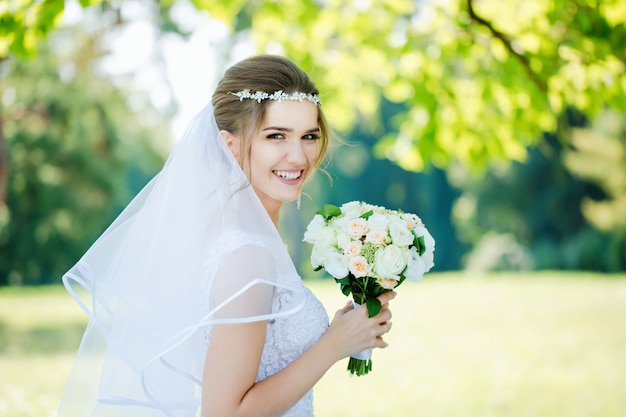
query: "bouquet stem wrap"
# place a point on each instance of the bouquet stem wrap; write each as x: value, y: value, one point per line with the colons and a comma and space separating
x: 360, y: 363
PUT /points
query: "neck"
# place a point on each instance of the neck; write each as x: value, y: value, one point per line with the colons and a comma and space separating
x: 273, y: 210
x: 275, y: 220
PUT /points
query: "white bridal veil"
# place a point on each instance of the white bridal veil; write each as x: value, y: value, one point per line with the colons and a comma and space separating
x: 193, y: 249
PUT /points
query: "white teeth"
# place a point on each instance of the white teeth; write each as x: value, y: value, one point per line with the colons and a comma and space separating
x: 288, y: 175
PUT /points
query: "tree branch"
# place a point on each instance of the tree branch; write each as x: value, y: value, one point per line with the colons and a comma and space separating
x: 508, y: 44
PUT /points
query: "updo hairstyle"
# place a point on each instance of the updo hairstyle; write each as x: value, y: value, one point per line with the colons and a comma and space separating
x: 267, y: 73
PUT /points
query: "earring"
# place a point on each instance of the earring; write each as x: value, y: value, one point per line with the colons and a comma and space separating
x: 298, y: 202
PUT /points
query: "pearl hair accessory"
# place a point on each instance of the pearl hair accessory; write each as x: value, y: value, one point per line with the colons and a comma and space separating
x: 279, y: 96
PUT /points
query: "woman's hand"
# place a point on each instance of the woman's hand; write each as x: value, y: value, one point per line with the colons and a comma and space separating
x: 352, y: 331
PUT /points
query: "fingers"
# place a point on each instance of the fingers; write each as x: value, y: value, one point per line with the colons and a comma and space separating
x: 384, y: 316
x: 386, y: 297
x: 349, y: 306
x: 380, y: 343
x: 385, y: 327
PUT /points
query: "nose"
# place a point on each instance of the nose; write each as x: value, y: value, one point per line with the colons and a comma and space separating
x: 295, y: 153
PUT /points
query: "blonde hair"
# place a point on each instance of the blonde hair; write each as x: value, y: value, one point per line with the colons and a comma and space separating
x: 268, y: 73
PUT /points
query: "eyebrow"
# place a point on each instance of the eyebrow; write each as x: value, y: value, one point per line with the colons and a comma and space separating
x: 287, y: 129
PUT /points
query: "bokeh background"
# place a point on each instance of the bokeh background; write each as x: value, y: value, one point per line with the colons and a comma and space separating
x: 502, y: 123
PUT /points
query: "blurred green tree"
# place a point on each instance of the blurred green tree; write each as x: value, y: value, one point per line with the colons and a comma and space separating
x: 78, y: 148
x: 23, y: 24
x: 474, y: 84
x: 598, y: 155
x: 531, y: 215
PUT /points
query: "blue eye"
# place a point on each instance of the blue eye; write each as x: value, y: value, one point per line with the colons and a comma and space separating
x: 275, y: 136
x: 311, y: 136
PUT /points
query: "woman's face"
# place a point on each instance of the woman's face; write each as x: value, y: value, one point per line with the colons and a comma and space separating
x: 283, y: 152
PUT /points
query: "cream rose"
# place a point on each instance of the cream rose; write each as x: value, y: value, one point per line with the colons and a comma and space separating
x: 358, y: 228
x: 400, y: 234
x: 387, y: 283
x: 390, y: 261
x: 353, y: 248
x: 377, y: 237
x: 358, y: 266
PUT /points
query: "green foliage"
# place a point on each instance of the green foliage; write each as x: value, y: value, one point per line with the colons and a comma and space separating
x: 25, y: 23
x: 529, y: 216
x: 598, y: 155
x: 478, y: 82
x: 76, y: 156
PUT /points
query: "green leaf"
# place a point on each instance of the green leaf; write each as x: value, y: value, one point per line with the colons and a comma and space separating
x: 346, y: 290
x: 418, y: 242
x: 329, y: 211
x: 343, y: 281
x: 373, y: 306
x: 367, y: 214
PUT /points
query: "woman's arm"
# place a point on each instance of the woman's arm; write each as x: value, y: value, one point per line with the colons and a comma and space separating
x: 234, y: 355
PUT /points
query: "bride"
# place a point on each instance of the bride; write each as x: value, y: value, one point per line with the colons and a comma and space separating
x: 195, y: 307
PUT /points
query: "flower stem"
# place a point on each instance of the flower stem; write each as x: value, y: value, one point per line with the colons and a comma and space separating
x: 359, y: 367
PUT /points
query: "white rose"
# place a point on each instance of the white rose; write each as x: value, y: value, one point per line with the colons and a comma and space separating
x: 415, y: 267
x: 312, y: 230
x: 326, y: 237
x: 358, y: 266
x: 353, y: 248
x: 412, y: 220
x: 343, y: 238
x: 319, y: 253
x: 351, y: 210
x: 358, y: 228
x: 428, y: 256
x: 376, y: 209
x: 377, y: 237
x: 390, y: 261
x: 378, y: 222
x: 400, y: 234
x: 336, y: 265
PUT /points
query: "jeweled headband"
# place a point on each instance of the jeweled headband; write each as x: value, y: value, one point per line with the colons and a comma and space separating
x: 279, y: 96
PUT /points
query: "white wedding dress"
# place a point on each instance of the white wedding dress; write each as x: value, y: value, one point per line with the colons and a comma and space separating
x: 288, y: 336
x: 194, y: 249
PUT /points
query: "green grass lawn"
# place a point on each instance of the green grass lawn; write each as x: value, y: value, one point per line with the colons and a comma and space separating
x: 519, y: 345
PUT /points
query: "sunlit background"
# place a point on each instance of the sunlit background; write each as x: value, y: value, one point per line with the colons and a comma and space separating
x: 501, y: 123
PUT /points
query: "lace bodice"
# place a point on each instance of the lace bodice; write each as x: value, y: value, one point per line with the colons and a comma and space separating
x: 289, y: 337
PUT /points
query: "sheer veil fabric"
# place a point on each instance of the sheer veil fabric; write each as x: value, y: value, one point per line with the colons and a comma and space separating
x: 172, y: 265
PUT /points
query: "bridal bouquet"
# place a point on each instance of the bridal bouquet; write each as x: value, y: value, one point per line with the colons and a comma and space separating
x: 369, y: 250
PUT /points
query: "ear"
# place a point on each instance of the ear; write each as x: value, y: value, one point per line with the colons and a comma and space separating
x: 233, y: 142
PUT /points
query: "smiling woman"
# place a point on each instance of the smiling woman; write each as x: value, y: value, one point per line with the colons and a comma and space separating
x: 283, y: 153
x: 195, y: 306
